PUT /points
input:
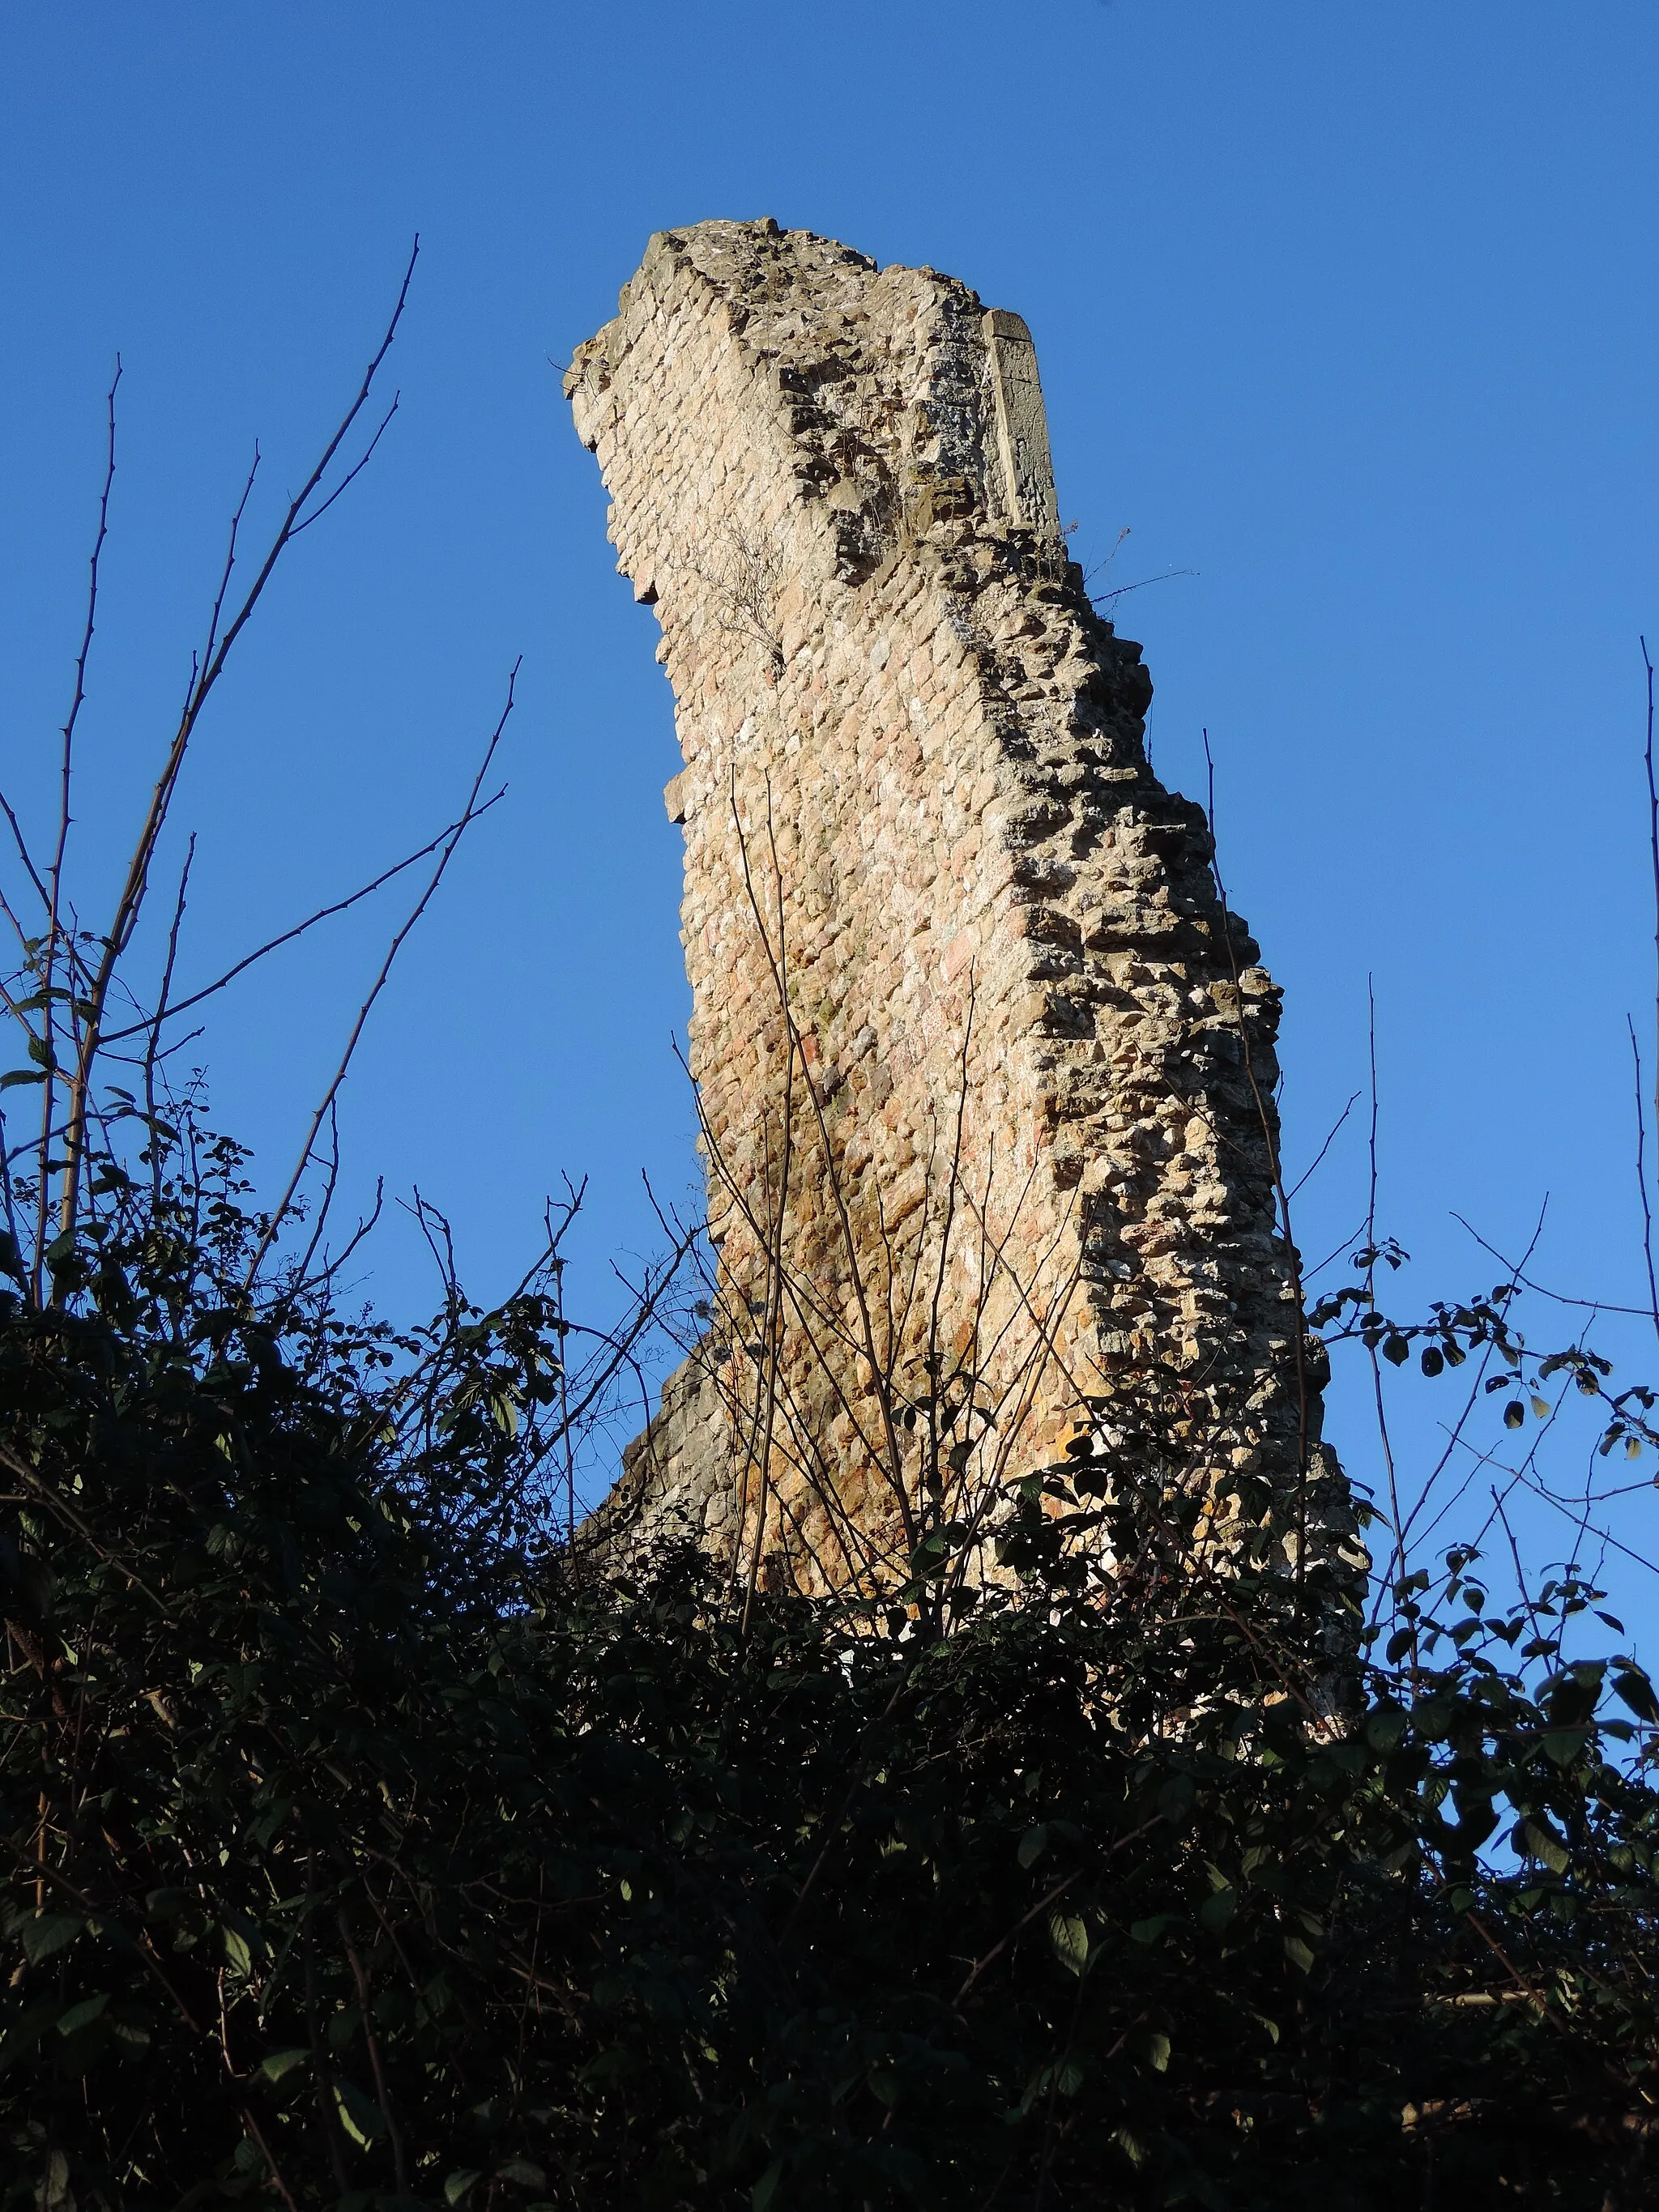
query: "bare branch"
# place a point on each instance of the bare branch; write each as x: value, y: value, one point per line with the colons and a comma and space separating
x: 130, y: 903
x: 55, y: 873
x: 1300, y: 1333
x: 1653, y: 838
x: 352, y: 474
x: 48, y: 965
x: 152, y: 1051
x: 197, y: 659
x: 323, y: 914
x: 1642, y: 1174
x: 23, y: 853
x: 1318, y: 1158
x: 366, y: 1225
x: 327, y: 1101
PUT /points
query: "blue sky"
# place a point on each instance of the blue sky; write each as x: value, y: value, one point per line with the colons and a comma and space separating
x: 1350, y: 309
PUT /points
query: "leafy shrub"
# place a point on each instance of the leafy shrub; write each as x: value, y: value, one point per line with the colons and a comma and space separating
x: 364, y: 1850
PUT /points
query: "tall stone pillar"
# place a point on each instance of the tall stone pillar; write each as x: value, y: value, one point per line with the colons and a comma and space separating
x: 985, y: 1071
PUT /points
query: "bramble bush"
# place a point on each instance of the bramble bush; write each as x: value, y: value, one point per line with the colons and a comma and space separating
x: 363, y: 1849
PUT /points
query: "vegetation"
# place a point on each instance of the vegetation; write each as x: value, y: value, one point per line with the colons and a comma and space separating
x: 364, y: 1847
x: 362, y: 1852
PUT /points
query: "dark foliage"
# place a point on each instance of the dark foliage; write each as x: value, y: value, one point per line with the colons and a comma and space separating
x: 363, y: 1852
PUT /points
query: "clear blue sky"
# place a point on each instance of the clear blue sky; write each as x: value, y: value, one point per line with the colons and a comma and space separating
x: 1350, y: 308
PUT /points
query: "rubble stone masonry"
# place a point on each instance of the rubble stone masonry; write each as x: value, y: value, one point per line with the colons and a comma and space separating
x: 986, y: 1070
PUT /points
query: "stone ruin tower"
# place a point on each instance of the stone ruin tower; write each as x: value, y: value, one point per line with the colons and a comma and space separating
x: 985, y: 1070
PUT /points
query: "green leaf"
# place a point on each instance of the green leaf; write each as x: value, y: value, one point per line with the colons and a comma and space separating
x: 458, y: 2184
x: 49, y: 1932
x: 22, y: 1075
x: 1514, y: 1414
x: 1071, y: 1940
x: 1563, y: 1744
x: 1175, y: 1797
x: 1387, y: 1725
x: 21, y: 2038
x: 360, y: 2115
x: 1540, y: 1841
x: 1217, y: 1909
x: 1158, y: 2052
x: 1298, y: 1954
x: 767, y: 2187
x: 1032, y: 1845
x: 83, y: 2015
x: 238, y: 1957
x: 1637, y: 1692
x: 521, y: 2171
x: 131, y: 2035
x: 281, y: 2062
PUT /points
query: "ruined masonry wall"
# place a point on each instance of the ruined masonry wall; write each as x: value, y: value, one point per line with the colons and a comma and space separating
x: 917, y: 807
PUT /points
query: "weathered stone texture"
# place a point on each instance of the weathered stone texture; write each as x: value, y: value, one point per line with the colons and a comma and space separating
x: 1018, y: 1119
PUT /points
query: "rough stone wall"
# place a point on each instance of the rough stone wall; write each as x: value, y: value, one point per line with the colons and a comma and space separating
x: 986, y: 1073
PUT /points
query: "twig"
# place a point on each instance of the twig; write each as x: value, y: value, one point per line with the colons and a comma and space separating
x: 332, y: 1183
x: 1518, y: 1274
x: 23, y: 853
x: 565, y: 1433
x: 151, y: 1050
x: 55, y: 1503
x: 1023, y: 1922
x: 366, y: 1225
x: 879, y: 1380
x: 1318, y: 1156
x: 352, y: 474
x: 146, y: 1950
x: 48, y: 968
x: 325, y: 1104
x: 1642, y: 1179
x: 1399, y: 1566
x: 773, y: 1340
x: 371, y: 2043
x: 1107, y: 598
x: 1119, y: 1844
x: 323, y: 914
x: 1455, y: 1436
x: 1653, y: 842
x: 130, y: 903
x: 1299, y: 1327
x: 1515, y: 1554
x: 54, y: 870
